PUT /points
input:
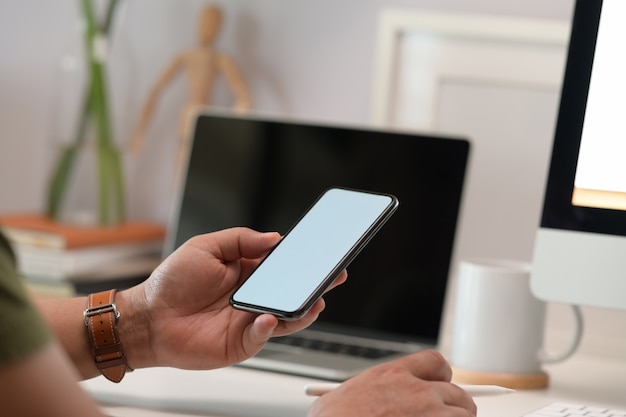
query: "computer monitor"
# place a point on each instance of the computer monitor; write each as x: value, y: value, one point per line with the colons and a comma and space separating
x: 580, y: 251
x: 264, y: 172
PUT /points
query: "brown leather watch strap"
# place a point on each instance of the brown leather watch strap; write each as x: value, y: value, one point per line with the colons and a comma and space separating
x: 101, y: 318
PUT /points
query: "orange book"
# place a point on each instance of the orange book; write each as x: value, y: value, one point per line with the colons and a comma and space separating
x: 41, y: 231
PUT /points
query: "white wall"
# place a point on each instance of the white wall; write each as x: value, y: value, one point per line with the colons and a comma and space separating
x: 309, y: 59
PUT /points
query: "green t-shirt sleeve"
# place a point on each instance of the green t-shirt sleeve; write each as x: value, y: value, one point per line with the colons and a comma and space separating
x: 22, y: 330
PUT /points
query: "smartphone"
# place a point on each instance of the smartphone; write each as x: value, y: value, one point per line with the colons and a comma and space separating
x: 314, y: 252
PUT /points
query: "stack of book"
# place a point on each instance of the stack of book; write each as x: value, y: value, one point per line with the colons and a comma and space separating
x: 50, y: 251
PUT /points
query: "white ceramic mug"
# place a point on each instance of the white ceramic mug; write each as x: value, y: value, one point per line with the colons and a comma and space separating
x: 499, y: 324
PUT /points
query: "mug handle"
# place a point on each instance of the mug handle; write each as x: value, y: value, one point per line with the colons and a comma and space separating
x: 545, y: 357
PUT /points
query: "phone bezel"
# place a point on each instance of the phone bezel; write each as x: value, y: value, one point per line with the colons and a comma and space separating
x: 334, y: 273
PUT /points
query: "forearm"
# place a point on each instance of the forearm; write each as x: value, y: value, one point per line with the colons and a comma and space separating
x: 43, y: 384
x: 65, y: 317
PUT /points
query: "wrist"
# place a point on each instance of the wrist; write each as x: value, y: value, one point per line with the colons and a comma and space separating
x: 134, y: 328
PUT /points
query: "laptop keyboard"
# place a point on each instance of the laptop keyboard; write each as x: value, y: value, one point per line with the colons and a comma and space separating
x: 574, y: 410
x: 334, y: 347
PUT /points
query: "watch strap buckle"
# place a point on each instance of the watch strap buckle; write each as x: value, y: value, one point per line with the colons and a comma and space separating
x: 100, y: 310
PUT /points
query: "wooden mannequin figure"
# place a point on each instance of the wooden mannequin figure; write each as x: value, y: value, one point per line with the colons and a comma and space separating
x: 201, y: 65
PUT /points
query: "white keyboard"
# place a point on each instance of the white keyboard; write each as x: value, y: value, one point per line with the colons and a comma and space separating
x: 574, y: 410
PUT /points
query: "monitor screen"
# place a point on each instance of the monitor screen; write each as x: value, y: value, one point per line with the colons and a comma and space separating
x: 264, y: 173
x: 581, y: 244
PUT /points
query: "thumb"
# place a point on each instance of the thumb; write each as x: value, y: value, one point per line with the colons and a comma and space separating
x: 262, y: 329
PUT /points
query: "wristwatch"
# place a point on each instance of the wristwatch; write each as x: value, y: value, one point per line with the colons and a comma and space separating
x: 101, y: 318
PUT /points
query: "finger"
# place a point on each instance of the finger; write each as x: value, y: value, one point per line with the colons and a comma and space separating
x: 236, y: 243
x: 313, y: 313
x: 341, y: 278
x: 456, y: 396
x: 429, y: 365
x: 288, y: 327
x: 262, y: 329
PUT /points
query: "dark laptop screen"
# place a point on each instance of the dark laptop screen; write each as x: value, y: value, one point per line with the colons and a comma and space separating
x: 264, y: 173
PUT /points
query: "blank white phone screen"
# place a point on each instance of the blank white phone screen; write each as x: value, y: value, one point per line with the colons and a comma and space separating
x: 311, y: 251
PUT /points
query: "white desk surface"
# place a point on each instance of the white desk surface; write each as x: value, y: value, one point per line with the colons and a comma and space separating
x: 238, y: 391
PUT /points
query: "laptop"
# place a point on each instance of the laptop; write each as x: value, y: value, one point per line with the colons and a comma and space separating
x: 264, y: 172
